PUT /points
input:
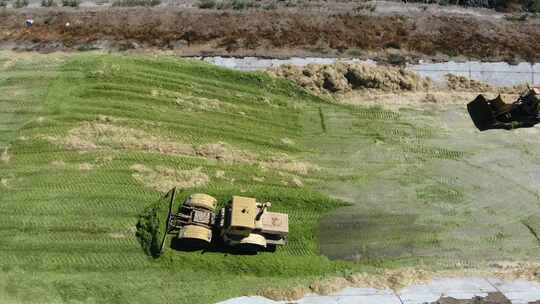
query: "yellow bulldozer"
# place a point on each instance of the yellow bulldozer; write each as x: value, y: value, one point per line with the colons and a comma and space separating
x: 242, y: 224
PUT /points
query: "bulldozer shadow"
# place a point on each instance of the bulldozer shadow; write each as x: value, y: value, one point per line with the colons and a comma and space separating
x: 218, y: 247
x: 188, y: 245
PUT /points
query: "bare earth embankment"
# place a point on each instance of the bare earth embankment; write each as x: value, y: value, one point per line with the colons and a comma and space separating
x: 256, y: 33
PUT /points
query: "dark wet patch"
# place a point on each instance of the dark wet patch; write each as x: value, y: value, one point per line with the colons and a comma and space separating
x: 350, y: 234
x: 491, y: 298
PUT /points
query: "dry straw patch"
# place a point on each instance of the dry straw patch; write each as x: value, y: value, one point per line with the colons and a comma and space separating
x: 283, y: 162
x: 118, y: 235
x: 58, y: 163
x: 225, y: 153
x: 190, y: 102
x: 518, y: 271
x: 287, y: 141
x: 462, y: 83
x: 81, y: 166
x: 220, y: 174
x: 465, y: 84
x: 91, y: 136
x: 291, y: 294
x: 388, y: 279
x: 5, y: 157
x: 344, y: 77
x: 163, y: 178
x: 97, y: 135
x: 367, y: 84
x: 86, y: 167
x: 202, y: 103
x: 4, y: 182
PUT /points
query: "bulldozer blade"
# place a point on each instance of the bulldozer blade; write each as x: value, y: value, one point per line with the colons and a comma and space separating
x: 481, y: 113
x: 164, y: 221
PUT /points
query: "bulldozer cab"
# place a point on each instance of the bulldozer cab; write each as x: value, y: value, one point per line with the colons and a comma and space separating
x: 246, y: 214
x: 243, y: 211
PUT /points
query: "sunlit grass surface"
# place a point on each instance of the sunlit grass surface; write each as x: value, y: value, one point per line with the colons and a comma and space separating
x: 88, y: 141
x: 70, y: 202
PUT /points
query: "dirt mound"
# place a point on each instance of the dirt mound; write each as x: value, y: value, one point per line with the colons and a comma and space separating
x: 344, y: 77
x: 163, y: 178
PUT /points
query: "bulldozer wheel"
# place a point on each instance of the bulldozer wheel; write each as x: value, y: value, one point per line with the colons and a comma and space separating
x: 193, y: 232
x: 203, y: 201
x: 252, y: 242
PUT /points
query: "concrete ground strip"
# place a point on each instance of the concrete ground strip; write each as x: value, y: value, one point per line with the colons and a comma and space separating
x: 518, y: 292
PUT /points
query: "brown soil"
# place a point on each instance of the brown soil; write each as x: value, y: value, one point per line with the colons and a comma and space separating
x: 255, y: 32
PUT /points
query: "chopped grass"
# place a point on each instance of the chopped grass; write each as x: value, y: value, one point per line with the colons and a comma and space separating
x: 420, y: 193
x: 76, y: 227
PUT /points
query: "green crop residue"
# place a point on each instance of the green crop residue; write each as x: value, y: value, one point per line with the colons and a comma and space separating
x: 90, y: 143
x: 93, y: 141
